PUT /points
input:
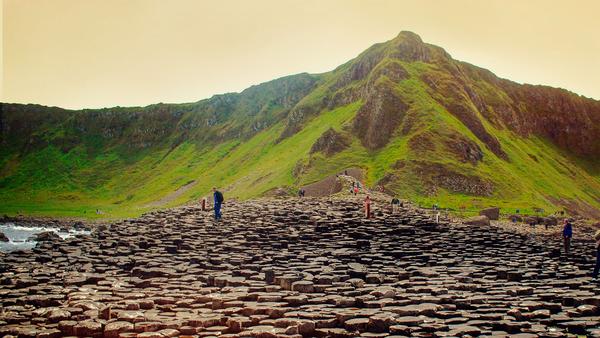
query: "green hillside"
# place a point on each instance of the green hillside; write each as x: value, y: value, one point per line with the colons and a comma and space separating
x: 430, y: 128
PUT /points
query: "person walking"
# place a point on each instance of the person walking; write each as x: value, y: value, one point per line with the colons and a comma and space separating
x: 218, y: 200
x: 597, y: 267
x: 567, y: 235
x: 368, y: 207
x: 395, y: 205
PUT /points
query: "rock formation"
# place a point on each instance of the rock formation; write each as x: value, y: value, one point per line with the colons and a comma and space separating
x: 297, y: 268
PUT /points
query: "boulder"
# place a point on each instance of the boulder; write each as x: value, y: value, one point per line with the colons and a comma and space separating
x: 306, y: 327
x: 491, y: 213
x: 46, y: 236
x: 477, y: 220
x: 3, y: 237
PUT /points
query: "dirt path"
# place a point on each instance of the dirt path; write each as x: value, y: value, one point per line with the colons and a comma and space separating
x: 172, y: 196
x: 333, y: 184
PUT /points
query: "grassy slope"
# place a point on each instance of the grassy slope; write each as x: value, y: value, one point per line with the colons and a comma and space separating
x: 69, y: 184
x: 536, y: 169
x: 247, y: 168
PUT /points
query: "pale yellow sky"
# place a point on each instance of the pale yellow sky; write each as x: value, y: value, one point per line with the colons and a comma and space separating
x: 102, y: 53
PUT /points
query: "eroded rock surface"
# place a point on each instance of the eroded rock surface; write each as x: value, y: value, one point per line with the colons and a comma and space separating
x: 294, y: 268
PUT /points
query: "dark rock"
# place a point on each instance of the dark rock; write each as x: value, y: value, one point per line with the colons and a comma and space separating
x: 330, y: 142
x: 46, y: 236
x: 491, y: 213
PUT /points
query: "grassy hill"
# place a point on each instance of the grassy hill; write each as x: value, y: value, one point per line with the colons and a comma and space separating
x: 430, y: 128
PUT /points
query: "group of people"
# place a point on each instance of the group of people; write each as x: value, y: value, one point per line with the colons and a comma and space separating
x: 355, y: 188
x: 396, y: 205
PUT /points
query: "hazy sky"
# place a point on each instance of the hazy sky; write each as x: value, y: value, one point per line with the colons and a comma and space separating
x: 98, y: 53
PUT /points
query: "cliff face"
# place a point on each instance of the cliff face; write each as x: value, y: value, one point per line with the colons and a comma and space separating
x: 572, y: 122
x: 427, y: 126
x: 27, y: 128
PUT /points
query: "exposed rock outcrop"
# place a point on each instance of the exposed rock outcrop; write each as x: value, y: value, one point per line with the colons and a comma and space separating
x: 470, y: 119
x: 378, y: 118
x: 491, y: 213
x: 464, y: 149
x: 330, y: 142
x: 438, y: 175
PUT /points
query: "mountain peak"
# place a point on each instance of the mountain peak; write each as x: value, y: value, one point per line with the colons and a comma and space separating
x: 408, y: 36
x: 408, y: 46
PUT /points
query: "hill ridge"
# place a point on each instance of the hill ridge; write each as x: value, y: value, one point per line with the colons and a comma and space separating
x: 411, y: 117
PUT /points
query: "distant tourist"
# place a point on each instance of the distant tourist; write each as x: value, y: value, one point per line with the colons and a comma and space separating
x: 355, y: 190
x: 395, y: 205
x: 597, y: 267
x: 346, y: 172
x: 218, y: 199
x: 301, y: 193
x: 368, y: 207
x: 567, y: 235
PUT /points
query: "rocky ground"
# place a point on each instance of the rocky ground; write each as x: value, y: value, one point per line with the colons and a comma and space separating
x: 293, y: 268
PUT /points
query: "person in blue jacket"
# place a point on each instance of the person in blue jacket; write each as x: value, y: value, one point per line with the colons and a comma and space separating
x: 218, y: 200
x: 567, y: 235
x: 597, y: 267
